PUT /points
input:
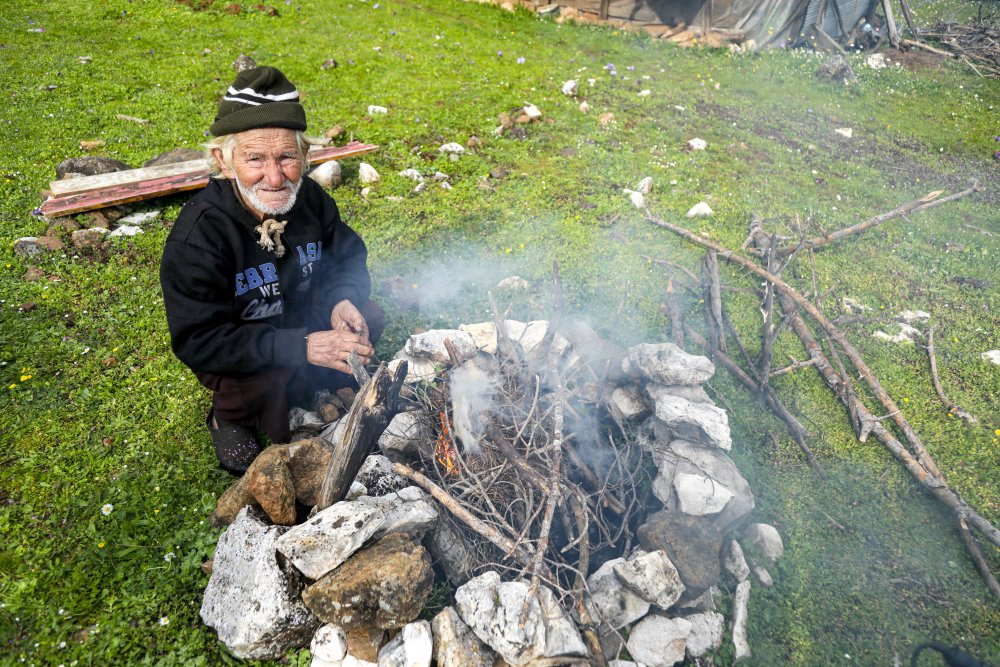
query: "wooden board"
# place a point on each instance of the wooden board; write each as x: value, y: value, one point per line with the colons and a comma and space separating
x: 69, y: 186
x: 127, y: 191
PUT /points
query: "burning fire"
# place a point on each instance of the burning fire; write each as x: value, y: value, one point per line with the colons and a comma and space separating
x: 445, y: 450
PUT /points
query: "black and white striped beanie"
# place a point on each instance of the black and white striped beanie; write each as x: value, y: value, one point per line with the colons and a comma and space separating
x: 260, y: 97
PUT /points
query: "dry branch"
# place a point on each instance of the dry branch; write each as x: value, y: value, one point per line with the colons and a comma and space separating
x: 952, y: 407
x: 930, y: 200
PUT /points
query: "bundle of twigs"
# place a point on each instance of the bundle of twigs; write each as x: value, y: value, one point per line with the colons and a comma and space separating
x: 976, y: 43
x: 825, y: 354
x: 549, y: 488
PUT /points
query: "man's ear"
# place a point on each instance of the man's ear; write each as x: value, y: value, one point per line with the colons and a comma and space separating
x: 226, y: 171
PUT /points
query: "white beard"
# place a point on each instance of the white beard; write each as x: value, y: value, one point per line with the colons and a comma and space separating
x: 251, y: 197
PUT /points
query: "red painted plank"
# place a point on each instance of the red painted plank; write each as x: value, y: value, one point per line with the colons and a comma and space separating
x: 158, y: 187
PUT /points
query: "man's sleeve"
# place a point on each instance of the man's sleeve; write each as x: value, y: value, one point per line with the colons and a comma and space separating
x: 204, y: 330
x: 343, y: 268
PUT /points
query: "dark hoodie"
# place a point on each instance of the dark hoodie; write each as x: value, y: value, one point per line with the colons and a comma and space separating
x: 235, y: 309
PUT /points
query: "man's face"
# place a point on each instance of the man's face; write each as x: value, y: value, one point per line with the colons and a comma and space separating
x: 267, y: 166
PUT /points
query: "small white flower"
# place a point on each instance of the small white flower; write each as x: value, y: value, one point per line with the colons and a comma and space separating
x: 164, y: 620
x: 61, y: 611
x: 106, y: 508
x: 169, y: 556
x: 62, y: 644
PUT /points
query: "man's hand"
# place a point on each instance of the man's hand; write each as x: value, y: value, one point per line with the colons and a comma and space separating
x: 346, y: 317
x: 332, y: 348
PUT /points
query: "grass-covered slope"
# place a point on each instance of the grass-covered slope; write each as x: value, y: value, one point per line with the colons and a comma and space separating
x: 96, y: 412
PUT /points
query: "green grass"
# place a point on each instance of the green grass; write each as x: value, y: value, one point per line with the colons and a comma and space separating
x: 108, y: 416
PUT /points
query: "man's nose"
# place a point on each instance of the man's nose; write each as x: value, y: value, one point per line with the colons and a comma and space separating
x: 273, y: 175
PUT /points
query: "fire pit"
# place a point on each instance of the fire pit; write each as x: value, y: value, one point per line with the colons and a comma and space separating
x: 563, y: 488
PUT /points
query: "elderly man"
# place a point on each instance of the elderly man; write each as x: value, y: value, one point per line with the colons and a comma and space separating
x: 266, y: 289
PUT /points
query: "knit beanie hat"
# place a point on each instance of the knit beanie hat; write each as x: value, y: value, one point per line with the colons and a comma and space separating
x: 260, y: 97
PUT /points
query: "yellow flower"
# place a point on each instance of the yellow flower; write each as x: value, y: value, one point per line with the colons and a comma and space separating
x: 25, y: 378
x: 100, y: 545
x: 997, y: 431
x: 156, y: 511
x: 12, y: 386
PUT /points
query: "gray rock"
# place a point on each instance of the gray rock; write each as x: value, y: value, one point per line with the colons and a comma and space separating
x: 92, y: 237
x: 32, y: 246
x: 665, y: 363
x: 328, y: 647
x: 698, y: 495
x: 704, y: 602
x: 430, y: 345
x: 659, y: 641
x: 329, y: 538
x: 125, y: 230
x: 174, y: 156
x: 624, y: 663
x: 377, y: 476
x: 698, y: 422
x: 836, y: 70
x: 244, y: 62
x: 418, y: 369
x: 88, y: 166
x: 610, y: 601
x: 741, y: 600
x: 734, y: 563
x: 706, y: 633
x: 252, y: 601
x: 692, y: 543
x: 140, y: 219
x: 412, y: 647
x: 456, y: 645
x: 400, y: 440
x: 762, y: 543
x: 451, y: 552
x: 762, y: 576
x: 682, y: 457
x: 329, y: 174
x: 630, y: 403
x: 691, y: 392
x: 651, y: 576
x: 492, y: 609
x: 304, y: 420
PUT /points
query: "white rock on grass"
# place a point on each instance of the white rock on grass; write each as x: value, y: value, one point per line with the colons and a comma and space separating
x: 413, y: 175
x: 412, y: 647
x: 331, y: 536
x: 531, y: 111
x: 700, y: 210
x: 328, y: 175
x: 610, y: 601
x: 645, y: 92
x: 698, y: 495
x: 911, y: 316
x: 706, y: 633
x: 651, y: 576
x: 570, y: 88
x: 645, y: 186
x: 252, y: 602
x: 484, y: 334
x: 452, y: 147
x: 696, y: 422
x: 763, y: 540
x: 734, y: 562
x: 659, y: 641
x: 584, y: 107
x: 328, y: 647
x: 738, y: 623
x: 141, y: 218
x: 697, y: 144
x: 845, y: 132
x: 992, y: 356
x: 126, y: 230
x: 513, y: 283
x: 637, y: 198
x: 367, y: 174
x: 492, y: 609
x: 376, y: 110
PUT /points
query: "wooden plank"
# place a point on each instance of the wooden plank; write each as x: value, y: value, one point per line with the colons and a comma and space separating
x: 68, y: 186
x: 125, y: 193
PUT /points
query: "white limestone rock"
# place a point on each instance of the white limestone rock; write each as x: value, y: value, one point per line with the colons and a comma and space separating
x: 252, y: 602
x: 691, y: 392
x: 492, y: 609
x: 610, y: 601
x: 531, y: 111
x: 659, y: 641
x: 328, y: 647
x: 992, y: 356
x: 697, y: 144
x: 911, y: 316
x: 413, y: 175
x: 637, y: 198
x: 629, y: 403
x: 738, y: 624
x: 400, y: 438
x: 329, y: 174
x: 331, y: 536
x: 697, y: 422
x: 456, y: 645
x: 484, y: 335
x: 734, y: 562
x: 570, y: 88
x: 762, y: 576
x: 125, y: 230
x: 645, y: 186
x: 706, y: 633
x: 412, y: 647
x: 376, y: 110
x: 141, y: 218
x: 665, y: 363
x: 698, y: 495
x: 452, y: 148
x: 763, y: 542
x: 367, y: 174
x: 651, y: 576
x: 700, y: 210
x: 430, y: 345
x: 418, y: 369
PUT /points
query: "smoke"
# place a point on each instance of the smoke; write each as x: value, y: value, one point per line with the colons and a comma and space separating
x: 472, y: 393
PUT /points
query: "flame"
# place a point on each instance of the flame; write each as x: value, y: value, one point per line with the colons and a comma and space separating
x: 445, y: 450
